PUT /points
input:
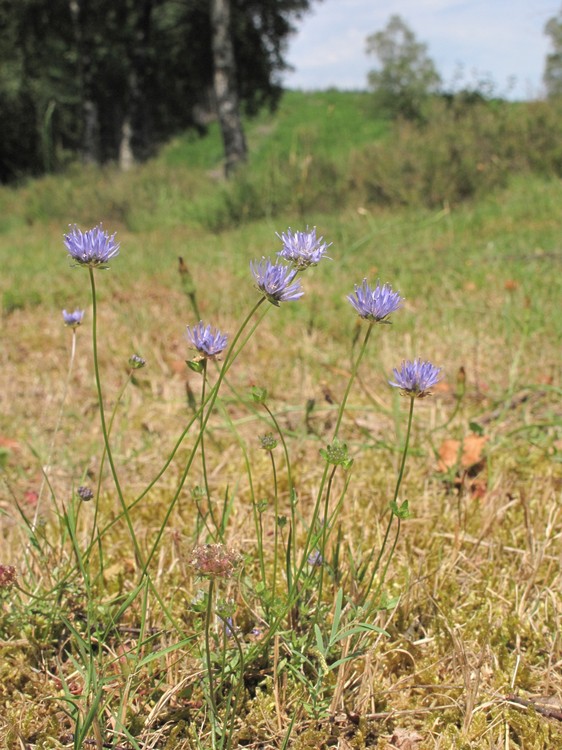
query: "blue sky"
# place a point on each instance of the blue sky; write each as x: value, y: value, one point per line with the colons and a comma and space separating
x: 501, y: 40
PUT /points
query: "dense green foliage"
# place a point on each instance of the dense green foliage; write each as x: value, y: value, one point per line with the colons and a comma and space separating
x: 78, y: 74
x: 553, y: 65
x: 406, y: 76
x: 317, y: 153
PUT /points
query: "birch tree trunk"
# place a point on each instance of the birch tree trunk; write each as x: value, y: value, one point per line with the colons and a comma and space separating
x: 226, y: 92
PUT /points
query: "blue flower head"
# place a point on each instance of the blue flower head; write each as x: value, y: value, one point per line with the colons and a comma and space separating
x: 136, y: 362
x: 302, y: 249
x: 275, y: 281
x: 416, y: 378
x: 375, y: 304
x: 209, y: 342
x: 315, y: 559
x: 93, y: 248
x: 73, y: 319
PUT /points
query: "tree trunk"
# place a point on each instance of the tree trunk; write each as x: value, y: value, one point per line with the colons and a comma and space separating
x: 226, y: 91
x: 126, y: 156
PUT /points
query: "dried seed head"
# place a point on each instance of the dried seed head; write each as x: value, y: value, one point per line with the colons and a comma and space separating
x: 214, y: 560
x: 7, y: 576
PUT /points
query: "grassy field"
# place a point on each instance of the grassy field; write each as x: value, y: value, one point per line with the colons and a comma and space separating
x: 470, y: 602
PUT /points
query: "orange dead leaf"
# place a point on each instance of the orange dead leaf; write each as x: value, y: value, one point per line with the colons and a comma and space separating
x: 442, y: 387
x: 466, y: 454
x: 472, y: 448
x: 510, y: 285
x: 9, y: 443
x: 405, y: 739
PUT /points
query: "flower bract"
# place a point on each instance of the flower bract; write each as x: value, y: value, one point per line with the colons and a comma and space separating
x: 93, y: 248
x: 85, y: 493
x: 136, y: 362
x: 375, y: 304
x: 209, y: 342
x: 276, y: 281
x: 215, y: 560
x: 416, y: 378
x: 302, y: 249
x: 73, y: 319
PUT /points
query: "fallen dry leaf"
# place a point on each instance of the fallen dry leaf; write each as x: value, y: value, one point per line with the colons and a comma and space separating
x: 469, y: 452
x: 510, y: 285
x: 405, y: 739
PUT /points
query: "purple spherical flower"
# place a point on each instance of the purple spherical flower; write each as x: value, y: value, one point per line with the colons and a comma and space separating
x: 73, y: 319
x: 209, y: 342
x: 416, y: 378
x: 275, y: 281
x: 85, y: 493
x: 93, y: 248
x: 302, y: 249
x: 375, y: 304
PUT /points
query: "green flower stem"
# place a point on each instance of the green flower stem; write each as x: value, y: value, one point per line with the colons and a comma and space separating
x: 138, y: 554
x: 276, y: 525
x: 289, y: 482
x: 229, y: 359
x: 203, y: 459
x: 239, y: 687
x: 323, y: 543
x: 95, y: 535
x: 257, y: 516
x: 208, y: 662
x: 341, y: 410
x: 352, y: 378
x: 44, y: 479
x: 293, y: 589
x: 390, y: 520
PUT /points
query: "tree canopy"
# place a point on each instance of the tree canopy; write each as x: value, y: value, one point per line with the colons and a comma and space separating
x: 93, y: 77
x: 406, y: 75
x: 553, y: 66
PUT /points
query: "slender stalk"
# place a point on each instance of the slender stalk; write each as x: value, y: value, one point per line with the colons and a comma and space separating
x: 326, y: 468
x: 138, y: 554
x: 203, y: 460
x: 257, y: 515
x: 94, y: 535
x: 276, y: 526
x: 44, y: 479
x: 208, y: 661
x: 323, y: 543
x: 293, y: 591
x: 239, y: 688
x: 392, y: 514
x: 289, y: 482
x: 352, y: 378
x: 181, y: 438
x: 230, y: 357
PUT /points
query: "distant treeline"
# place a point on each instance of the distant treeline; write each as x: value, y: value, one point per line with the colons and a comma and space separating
x: 111, y: 79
